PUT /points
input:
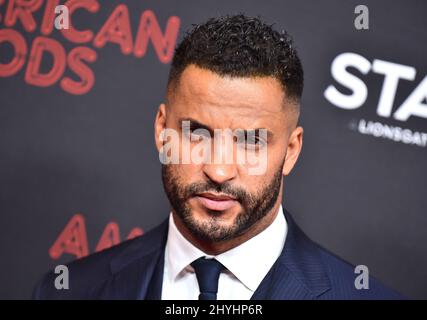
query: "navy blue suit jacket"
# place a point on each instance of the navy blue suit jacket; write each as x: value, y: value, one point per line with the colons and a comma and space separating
x: 134, y: 270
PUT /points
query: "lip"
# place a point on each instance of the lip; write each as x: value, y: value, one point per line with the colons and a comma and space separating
x: 216, y: 196
x: 218, y: 202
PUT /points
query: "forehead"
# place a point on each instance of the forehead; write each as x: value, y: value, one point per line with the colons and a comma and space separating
x: 201, y: 92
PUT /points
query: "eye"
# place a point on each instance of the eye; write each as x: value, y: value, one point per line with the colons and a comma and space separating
x: 255, y: 143
x: 253, y: 140
x: 197, y: 134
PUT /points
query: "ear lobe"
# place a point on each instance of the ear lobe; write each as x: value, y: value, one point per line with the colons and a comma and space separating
x: 159, y: 125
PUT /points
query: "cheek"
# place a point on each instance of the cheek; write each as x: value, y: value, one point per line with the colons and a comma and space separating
x: 262, y: 164
x: 176, y: 150
x: 188, y: 173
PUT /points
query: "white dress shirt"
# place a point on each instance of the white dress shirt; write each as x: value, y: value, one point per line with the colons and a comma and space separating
x: 247, y: 264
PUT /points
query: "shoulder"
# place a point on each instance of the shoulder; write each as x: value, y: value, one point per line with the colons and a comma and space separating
x: 343, y: 278
x: 318, y: 267
x: 91, y: 272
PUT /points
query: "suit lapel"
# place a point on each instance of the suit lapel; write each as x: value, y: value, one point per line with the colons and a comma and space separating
x: 298, y: 273
x: 133, y: 270
x: 154, y: 291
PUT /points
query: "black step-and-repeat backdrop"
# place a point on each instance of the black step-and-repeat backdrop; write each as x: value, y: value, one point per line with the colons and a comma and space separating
x: 79, y: 171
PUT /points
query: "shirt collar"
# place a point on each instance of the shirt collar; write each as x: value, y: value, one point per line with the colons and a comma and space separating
x: 249, y: 262
x: 179, y: 251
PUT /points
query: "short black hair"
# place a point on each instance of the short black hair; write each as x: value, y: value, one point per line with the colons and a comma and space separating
x: 241, y: 46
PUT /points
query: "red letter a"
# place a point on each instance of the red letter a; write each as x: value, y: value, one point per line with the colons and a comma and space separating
x: 117, y: 30
x: 109, y: 238
x: 72, y: 239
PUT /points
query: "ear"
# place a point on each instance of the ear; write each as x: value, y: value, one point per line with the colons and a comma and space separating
x: 159, y: 125
x: 293, y: 150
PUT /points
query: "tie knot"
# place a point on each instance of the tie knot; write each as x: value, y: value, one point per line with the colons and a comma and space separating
x: 207, y: 273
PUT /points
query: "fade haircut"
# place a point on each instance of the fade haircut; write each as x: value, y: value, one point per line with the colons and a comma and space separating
x: 241, y: 46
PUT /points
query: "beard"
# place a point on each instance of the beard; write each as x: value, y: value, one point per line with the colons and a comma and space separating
x: 254, y: 206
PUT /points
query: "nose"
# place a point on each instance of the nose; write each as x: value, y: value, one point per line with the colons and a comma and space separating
x: 220, y: 173
x: 222, y: 166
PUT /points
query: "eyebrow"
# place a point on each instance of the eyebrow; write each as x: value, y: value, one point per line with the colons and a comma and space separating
x: 194, y: 124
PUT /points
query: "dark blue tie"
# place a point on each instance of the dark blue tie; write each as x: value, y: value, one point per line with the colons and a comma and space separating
x: 207, y: 273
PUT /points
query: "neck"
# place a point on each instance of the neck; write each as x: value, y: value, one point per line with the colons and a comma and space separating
x: 216, y: 248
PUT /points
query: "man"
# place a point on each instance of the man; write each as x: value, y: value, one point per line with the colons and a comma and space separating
x: 227, y: 236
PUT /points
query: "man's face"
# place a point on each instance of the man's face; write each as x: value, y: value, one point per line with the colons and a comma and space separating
x: 217, y: 200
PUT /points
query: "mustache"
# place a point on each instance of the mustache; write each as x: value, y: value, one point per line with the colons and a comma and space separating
x: 225, y: 188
